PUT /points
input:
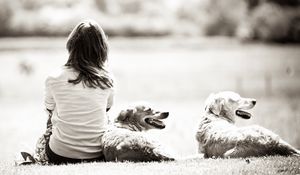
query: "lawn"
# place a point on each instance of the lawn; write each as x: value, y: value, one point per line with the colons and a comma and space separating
x: 173, y: 74
x: 269, y: 165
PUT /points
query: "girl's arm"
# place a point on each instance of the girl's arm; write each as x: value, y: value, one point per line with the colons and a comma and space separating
x: 110, y: 101
x: 49, y: 100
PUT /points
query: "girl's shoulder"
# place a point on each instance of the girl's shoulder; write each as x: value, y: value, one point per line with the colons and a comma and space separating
x: 60, y: 74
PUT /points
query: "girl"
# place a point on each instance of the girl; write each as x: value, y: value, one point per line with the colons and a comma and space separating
x: 79, y: 97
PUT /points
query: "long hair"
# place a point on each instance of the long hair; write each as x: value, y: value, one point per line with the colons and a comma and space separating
x: 87, y: 46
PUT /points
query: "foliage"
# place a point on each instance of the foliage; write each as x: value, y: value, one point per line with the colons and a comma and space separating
x: 274, y: 23
x: 268, y: 20
x: 56, y: 18
x: 5, y: 15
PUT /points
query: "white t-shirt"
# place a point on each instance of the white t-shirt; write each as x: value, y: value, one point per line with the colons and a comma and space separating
x: 79, y: 118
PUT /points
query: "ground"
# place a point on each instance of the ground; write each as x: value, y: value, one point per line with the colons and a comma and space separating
x: 269, y: 165
x: 174, y: 74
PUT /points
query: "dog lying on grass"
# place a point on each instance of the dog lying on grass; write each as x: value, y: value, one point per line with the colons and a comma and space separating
x: 219, y: 137
x: 123, y: 141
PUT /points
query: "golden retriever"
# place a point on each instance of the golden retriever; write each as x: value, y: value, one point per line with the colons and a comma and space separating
x: 219, y: 137
x: 125, y: 141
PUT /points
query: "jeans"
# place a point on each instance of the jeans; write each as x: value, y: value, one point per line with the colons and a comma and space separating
x: 58, y: 160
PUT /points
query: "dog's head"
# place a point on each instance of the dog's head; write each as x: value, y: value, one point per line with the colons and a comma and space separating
x: 228, y: 105
x: 142, y: 118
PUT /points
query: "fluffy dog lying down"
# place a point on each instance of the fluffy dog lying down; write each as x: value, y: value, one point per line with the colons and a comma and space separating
x: 219, y: 137
x: 125, y: 141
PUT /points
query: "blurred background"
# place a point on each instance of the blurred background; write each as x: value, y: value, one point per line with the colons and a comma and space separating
x: 170, y: 53
x: 268, y: 20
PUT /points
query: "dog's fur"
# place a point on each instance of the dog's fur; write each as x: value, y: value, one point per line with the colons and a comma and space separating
x: 219, y: 137
x: 125, y: 141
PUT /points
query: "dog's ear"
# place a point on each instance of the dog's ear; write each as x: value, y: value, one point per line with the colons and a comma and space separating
x: 147, y: 109
x: 209, y: 100
x: 124, y: 115
x: 214, y: 105
x: 219, y: 105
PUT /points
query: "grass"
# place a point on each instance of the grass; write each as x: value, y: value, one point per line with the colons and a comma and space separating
x: 266, y: 165
x: 169, y: 73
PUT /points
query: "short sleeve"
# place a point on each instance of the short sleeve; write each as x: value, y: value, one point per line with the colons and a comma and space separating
x: 110, y: 100
x: 49, y: 100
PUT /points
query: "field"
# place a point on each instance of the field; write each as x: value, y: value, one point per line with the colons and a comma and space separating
x: 270, y: 165
x: 175, y: 75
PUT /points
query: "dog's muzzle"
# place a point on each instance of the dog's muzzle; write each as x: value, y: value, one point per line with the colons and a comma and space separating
x: 243, y: 114
x: 156, y: 121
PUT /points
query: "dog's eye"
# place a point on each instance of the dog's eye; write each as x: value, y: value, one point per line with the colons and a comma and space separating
x: 147, y: 109
x: 233, y: 100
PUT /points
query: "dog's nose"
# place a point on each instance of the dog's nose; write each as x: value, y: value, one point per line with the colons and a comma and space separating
x: 166, y: 114
x: 253, y: 102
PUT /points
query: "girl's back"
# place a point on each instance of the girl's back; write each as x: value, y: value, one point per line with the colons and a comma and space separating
x: 80, y: 117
